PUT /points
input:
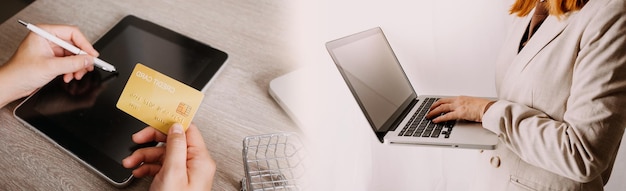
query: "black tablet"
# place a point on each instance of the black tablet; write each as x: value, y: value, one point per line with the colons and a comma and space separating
x: 81, y: 117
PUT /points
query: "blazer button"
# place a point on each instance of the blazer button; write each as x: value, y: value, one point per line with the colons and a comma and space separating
x: 495, y: 161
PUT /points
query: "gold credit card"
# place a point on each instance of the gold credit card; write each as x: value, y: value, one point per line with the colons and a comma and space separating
x: 158, y: 100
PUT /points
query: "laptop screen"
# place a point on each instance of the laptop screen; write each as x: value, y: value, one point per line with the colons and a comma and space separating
x: 374, y: 75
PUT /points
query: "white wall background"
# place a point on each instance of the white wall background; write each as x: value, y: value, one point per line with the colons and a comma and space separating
x: 446, y: 47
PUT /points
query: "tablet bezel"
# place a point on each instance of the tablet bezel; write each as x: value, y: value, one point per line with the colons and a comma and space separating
x: 103, y: 165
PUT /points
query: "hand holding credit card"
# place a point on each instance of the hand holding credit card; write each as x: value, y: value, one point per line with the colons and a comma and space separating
x: 158, y: 100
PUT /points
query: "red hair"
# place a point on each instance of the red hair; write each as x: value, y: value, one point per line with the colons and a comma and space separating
x: 555, y: 7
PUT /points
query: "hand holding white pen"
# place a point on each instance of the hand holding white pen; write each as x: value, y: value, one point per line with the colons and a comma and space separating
x: 37, y: 61
x: 67, y: 46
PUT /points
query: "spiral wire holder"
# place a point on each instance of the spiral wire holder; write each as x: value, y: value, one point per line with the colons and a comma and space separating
x: 273, y: 162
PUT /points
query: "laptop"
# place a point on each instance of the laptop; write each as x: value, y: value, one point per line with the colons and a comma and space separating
x: 393, y: 109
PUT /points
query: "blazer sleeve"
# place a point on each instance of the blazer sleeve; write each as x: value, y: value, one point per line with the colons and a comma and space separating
x: 583, y: 145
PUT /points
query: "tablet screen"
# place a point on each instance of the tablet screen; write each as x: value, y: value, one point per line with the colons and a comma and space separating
x: 81, y: 116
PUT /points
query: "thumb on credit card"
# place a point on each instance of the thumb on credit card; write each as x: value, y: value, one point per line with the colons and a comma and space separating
x: 175, y: 161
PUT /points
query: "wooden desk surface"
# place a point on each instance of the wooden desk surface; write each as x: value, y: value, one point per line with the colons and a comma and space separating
x: 254, y: 33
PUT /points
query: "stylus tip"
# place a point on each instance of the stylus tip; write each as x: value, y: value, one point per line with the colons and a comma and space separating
x: 22, y: 22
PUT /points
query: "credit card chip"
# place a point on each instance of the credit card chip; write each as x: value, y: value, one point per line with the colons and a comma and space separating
x: 183, y: 109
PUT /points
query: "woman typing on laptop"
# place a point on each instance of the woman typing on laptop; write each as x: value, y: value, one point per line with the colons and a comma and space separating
x: 561, y: 93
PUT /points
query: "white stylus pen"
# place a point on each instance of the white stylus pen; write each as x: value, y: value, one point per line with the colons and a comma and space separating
x: 67, y: 46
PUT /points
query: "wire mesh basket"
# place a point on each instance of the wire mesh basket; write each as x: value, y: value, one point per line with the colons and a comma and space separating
x: 273, y: 162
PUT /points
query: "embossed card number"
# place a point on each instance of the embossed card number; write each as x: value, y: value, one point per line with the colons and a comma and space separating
x: 158, y: 100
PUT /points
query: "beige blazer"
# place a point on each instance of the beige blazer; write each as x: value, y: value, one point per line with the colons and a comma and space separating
x: 561, y: 111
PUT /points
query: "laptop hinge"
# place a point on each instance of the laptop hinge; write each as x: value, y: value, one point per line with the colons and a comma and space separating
x: 406, y: 111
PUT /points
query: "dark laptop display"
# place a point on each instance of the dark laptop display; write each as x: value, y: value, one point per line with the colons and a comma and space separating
x: 382, y: 90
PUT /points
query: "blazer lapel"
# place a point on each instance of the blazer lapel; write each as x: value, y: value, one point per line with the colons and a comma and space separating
x: 550, y: 29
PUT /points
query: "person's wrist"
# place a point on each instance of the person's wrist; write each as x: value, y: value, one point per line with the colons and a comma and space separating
x: 488, y: 106
x: 4, y: 100
x: 485, y: 108
x: 10, y: 91
x: 5, y: 94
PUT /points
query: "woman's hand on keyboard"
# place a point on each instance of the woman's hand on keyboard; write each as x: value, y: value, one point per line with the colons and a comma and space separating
x: 461, y: 107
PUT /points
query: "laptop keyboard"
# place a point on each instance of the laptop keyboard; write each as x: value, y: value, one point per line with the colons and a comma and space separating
x: 419, y: 126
